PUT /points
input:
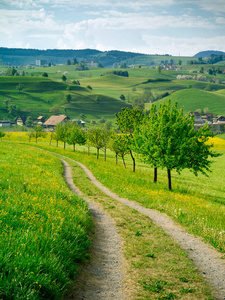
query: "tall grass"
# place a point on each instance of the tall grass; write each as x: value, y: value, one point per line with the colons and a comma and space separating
x: 44, y: 225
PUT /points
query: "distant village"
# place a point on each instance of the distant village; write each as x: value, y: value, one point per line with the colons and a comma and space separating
x: 49, y: 124
x: 217, y: 123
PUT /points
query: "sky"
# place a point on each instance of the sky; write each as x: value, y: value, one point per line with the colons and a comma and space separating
x: 175, y: 27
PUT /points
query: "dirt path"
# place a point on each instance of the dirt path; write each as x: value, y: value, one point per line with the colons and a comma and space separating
x: 103, y: 277
x: 207, y: 260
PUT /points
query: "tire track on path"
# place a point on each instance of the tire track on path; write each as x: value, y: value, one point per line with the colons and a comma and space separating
x: 207, y: 260
x: 102, y: 279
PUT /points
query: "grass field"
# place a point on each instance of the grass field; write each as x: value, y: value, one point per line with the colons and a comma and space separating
x: 44, y: 226
x: 196, y: 202
x: 44, y: 222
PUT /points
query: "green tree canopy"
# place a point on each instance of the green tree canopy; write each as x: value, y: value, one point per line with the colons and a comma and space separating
x: 98, y: 138
x: 38, y: 131
x: 76, y: 135
x: 119, y: 144
x: 167, y: 139
x: 61, y: 133
x: 127, y: 120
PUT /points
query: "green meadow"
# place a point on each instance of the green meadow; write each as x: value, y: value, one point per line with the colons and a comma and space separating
x: 196, y: 202
x: 44, y: 226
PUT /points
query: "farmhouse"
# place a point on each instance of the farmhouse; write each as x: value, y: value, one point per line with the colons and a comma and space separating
x: 92, y: 64
x: 79, y: 122
x: 21, y: 120
x: 5, y: 123
x: 40, y: 120
x: 55, y: 120
x: 217, y: 126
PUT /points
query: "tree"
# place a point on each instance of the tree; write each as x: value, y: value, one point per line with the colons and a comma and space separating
x: 56, y: 136
x: 68, y: 62
x: 38, y: 131
x: 159, y: 69
x: 2, y: 134
x: 75, y: 62
x: 174, y: 144
x: 118, y: 144
x: 144, y: 137
x: 61, y: 133
x: 98, y: 138
x: 68, y: 98
x: 75, y: 135
x: 29, y: 121
x: 122, y: 97
x: 63, y: 78
x: 20, y: 87
x: 45, y: 74
x: 108, y: 125
x: 127, y: 120
x: 30, y: 134
x: 179, y: 62
x: 7, y: 102
x: 202, y: 70
x: 12, y: 109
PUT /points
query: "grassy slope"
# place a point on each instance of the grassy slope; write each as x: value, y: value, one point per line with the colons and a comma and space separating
x: 44, y: 225
x: 192, y: 99
x: 40, y: 94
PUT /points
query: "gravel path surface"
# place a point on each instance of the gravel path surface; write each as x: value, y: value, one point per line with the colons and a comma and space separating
x: 207, y: 260
x: 103, y: 277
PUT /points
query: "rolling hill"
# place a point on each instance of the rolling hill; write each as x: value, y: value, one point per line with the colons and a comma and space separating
x: 40, y: 96
x: 192, y: 99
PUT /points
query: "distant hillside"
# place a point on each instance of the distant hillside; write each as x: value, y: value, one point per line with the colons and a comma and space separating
x: 208, y: 53
x: 108, y: 59
x: 17, y: 56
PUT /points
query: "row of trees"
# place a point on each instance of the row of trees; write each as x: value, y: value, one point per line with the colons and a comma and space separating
x: 165, y: 138
x: 162, y: 138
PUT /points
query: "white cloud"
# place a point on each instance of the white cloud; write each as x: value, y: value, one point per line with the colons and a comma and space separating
x: 212, y: 6
x: 183, y: 46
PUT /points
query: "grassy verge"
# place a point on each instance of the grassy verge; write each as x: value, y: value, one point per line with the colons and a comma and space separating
x: 156, y: 267
x: 43, y: 224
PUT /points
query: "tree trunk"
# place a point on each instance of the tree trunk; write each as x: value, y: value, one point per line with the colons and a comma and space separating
x: 64, y: 145
x: 116, y: 159
x: 50, y: 142
x: 97, y: 153
x: 73, y: 147
x: 131, y: 154
x: 105, y: 154
x: 124, y: 162
x: 155, y: 174
x: 57, y: 143
x: 169, y: 179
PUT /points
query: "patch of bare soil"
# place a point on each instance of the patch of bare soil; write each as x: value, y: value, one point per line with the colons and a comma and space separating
x: 103, y: 277
x: 207, y: 260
